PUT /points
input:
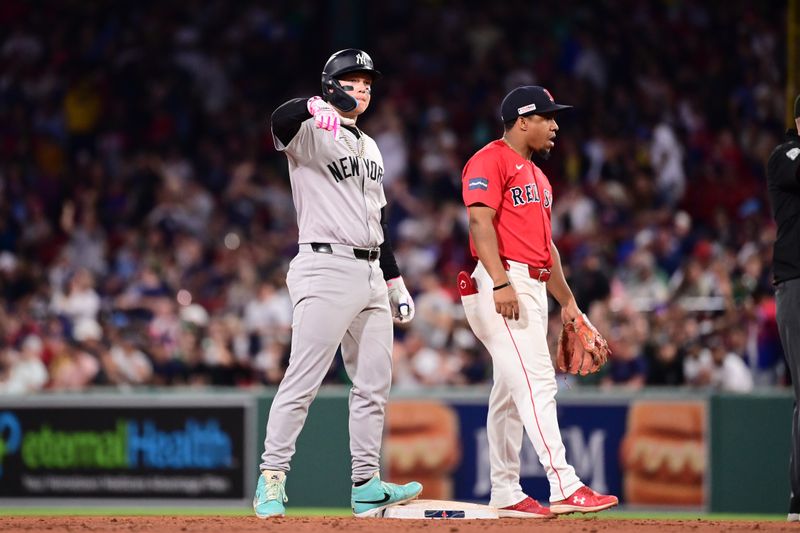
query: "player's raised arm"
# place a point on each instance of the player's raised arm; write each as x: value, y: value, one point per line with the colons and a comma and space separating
x: 286, y: 120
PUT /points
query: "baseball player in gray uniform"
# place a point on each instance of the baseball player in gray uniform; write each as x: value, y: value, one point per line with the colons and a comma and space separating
x: 344, y: 283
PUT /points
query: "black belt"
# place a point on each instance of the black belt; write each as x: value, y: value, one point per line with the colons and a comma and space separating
x: 359, y: 253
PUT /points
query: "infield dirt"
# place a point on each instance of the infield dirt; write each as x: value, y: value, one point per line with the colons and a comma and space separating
x: 184, y: 524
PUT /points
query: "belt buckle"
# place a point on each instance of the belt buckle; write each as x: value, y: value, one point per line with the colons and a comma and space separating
x: 374, y: 254
x: 321, y: 248
x: 542, y: 272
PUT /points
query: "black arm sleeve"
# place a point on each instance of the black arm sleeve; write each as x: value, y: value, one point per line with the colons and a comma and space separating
x: 287, y: 118
x: 387, y: 260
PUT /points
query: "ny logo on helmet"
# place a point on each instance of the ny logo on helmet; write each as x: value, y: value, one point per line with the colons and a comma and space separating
x: 362, y: 58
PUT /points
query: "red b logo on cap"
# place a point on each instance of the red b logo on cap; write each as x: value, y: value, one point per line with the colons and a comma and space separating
x: 550, y: 96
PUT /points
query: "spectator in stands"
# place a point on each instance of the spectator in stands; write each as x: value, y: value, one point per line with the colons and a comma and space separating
x: 132, y: 155
x: 124, y: 363
x: 729, y: 373
x: 666, y: 366
x: 24, y: 371
x: 698, y: 363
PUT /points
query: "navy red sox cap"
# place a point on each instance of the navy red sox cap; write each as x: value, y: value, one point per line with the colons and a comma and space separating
x: 529, y: 100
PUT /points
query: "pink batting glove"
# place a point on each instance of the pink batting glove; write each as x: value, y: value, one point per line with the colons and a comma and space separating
x: 325, y: 116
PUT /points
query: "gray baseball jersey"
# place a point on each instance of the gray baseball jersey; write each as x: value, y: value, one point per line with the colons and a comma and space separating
x: 337, y: 186
x: 337, y: 297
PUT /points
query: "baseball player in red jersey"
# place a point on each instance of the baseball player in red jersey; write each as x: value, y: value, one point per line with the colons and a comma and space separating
x: 509, y: 200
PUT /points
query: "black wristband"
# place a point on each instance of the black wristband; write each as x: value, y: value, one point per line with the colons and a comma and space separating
x: 502, y: 286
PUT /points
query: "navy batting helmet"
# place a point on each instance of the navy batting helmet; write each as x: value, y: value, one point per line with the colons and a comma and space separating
x: 344, y: 62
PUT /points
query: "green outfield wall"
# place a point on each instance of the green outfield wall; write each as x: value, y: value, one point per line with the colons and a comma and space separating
x: 750, y: 446
x: 203, y: 447
x: 748, y: 442
x: 320, y: 470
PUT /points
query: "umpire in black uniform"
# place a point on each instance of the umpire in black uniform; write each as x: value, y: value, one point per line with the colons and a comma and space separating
x: 783, y: 181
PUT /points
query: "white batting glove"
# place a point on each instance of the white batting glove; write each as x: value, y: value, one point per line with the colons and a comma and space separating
x: 400, y: 300
x: 325, y: 116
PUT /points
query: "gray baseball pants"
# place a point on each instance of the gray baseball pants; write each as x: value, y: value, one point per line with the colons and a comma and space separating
x: 337, y: 299
x: 787, y: 296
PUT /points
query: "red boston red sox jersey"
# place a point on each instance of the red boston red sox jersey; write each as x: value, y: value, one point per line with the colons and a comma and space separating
x: 520, y: 193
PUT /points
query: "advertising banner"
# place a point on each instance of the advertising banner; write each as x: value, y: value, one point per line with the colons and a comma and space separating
x: 154, y: 450
x: 648, y: 452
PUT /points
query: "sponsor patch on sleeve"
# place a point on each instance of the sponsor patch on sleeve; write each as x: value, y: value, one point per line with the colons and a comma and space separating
x: 478, y: 183
x: 793, y: 153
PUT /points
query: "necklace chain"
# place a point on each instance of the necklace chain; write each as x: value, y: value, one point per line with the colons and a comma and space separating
x: 359, y: 151
x: 514, y: 149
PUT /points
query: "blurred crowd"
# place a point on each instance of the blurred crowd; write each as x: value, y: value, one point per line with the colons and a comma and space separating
x: 146, y: 222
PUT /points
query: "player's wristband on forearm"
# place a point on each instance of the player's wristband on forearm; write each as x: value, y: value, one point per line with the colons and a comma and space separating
x: 501, y: 286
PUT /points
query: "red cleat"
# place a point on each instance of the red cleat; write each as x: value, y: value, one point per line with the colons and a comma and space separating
x: 584, y: 500
x: 527, y: 508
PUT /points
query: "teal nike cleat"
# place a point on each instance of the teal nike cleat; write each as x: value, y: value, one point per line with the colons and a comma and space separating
x: 270, y: 494
x: 371, y: 498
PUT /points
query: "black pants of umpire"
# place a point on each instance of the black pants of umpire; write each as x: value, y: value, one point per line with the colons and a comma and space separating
x: 788, y: 314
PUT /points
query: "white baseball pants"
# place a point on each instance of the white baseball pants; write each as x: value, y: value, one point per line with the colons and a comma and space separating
x: 524, y: 389
x: 337, y: 299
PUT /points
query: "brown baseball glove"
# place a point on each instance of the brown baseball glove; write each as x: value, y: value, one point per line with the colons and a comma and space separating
x: 581, y: 348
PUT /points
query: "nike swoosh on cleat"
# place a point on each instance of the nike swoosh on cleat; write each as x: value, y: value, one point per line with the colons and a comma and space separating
x: 385, y: 499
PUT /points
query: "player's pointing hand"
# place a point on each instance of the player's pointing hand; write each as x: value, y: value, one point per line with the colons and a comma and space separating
x: 325, y: 116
